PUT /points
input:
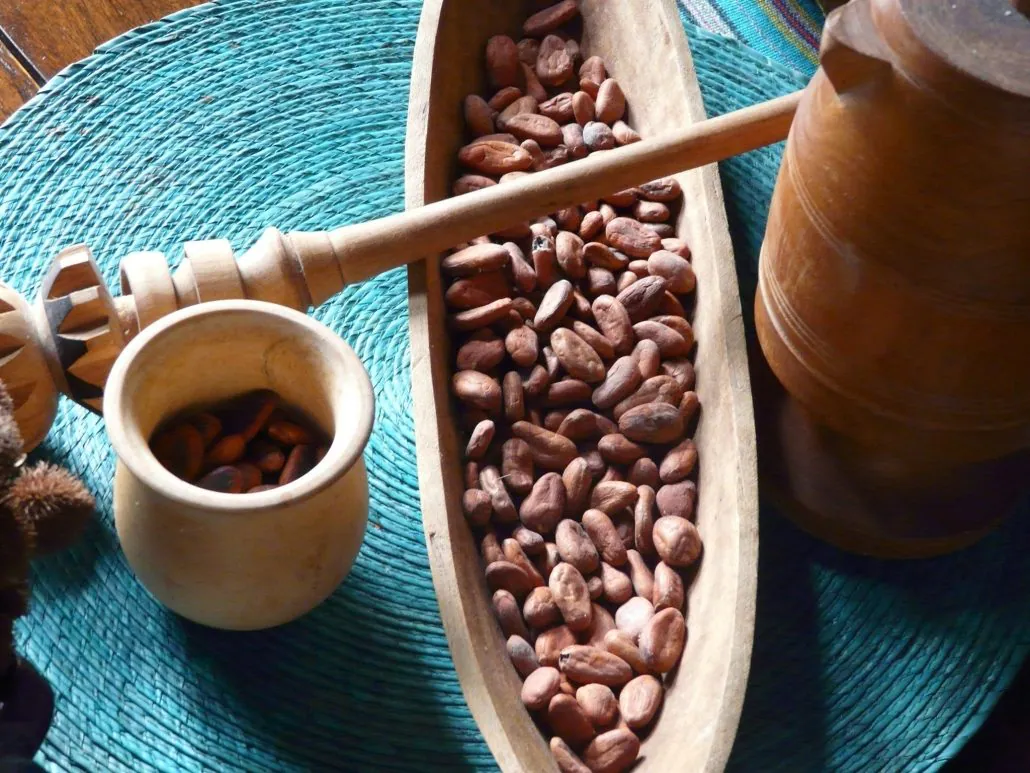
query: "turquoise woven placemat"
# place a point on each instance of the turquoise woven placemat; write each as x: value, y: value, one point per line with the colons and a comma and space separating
x: 244, y: 113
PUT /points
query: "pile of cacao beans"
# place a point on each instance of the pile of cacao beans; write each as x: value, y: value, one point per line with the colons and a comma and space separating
x: 251, y: 443
x: 574, y: 378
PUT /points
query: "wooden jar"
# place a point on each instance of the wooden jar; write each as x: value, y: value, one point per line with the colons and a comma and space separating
x: 239, y: 561
x: 894, y: 287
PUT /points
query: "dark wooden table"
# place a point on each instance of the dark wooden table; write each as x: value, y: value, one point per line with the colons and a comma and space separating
x: 38, y: 39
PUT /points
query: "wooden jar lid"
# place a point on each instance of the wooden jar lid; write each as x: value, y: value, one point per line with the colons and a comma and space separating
x: 971, y: 52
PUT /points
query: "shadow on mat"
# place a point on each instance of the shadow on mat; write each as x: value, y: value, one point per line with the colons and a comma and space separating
x: 311, y: 695
x: 845, y: 645
x: 784, y: 704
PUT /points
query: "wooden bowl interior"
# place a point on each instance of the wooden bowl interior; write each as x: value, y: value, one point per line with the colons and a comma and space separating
x: 644, y: 48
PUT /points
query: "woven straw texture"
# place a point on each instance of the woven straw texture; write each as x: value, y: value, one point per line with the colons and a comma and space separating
x: 236, y: 115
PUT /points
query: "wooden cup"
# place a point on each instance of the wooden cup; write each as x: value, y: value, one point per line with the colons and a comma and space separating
x: 239, y: 561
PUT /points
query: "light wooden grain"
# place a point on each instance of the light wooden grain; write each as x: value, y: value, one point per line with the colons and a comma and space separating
x: 239, y: 561
x: 53, y: 35
x: 645, y: 50
x: 16, y: 85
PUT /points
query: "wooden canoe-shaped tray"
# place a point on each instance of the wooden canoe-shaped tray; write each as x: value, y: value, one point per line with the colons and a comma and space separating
x: 644, y: 47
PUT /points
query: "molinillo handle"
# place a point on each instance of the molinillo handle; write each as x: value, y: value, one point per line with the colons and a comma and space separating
x: 80, y: 327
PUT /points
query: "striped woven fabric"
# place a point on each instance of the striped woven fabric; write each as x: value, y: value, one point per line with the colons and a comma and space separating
x: 786, y: 31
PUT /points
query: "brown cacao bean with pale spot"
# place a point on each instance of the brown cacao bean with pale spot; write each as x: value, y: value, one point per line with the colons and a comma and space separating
x: 632, y: 616
x: 522, y: 655
x: 598, y: 136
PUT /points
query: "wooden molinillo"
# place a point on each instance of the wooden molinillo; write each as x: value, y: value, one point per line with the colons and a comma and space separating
x: 69, y: 342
